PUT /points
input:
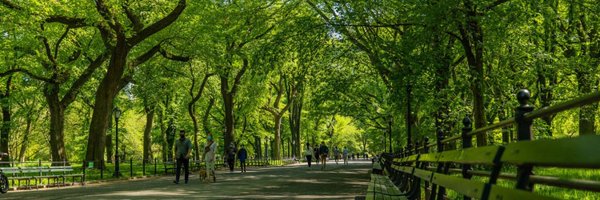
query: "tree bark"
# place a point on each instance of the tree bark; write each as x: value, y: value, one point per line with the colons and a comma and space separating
x: 192, y: 111
x: 295, y: 118
x: 587, y: 113
x: 472, y: 42
x: 57, y: 118
x: 205, y: 123
x: 103, y: 106
x: 6, y: 121
x: 147, y: 134
x: 277, y: 142
x: 113, y: 80
x: 25, y: 137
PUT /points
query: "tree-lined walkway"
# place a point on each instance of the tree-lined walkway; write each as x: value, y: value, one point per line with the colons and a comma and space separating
x: 290, y: 182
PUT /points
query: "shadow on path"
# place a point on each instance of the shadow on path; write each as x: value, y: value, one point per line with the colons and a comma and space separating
x: 290, y: 182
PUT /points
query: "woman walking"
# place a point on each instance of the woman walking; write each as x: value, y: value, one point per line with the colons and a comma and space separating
x: 308, y: 152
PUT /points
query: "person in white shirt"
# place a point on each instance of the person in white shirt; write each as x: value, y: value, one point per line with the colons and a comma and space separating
x: 308, y: 152
x: 345, y: 154
x: 209, y: 157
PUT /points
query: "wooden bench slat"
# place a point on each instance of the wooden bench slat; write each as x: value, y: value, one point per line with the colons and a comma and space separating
x: 467, y: 187
x: 479, y: 155
x: 430, y: 157
x: 424, y: 174
x: 567, y: 152
x: 501, y: 193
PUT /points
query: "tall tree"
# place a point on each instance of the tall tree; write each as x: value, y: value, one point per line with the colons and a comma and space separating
x: 120, y: 45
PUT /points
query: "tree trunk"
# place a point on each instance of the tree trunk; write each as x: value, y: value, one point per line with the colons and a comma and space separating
x: 25, y: 137
x: 6, y: 120
x: 147, y: 134
x: 277, y: 142
x: 408, y: 115
x: 472, y: 42
x: 205, y: 123
x: 191, y: 112
x: 257, y: 147
x: 109, y: 140
x: 228, y: 104
x: 587, y: 114
x: 103, y: 105
x: 163, y: 136
x: 57, y: 146
x: 295, y: 119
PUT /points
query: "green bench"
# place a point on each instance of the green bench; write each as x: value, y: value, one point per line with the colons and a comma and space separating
x: 515, y: 163
x: 381, y: 187
x: 34, y: 176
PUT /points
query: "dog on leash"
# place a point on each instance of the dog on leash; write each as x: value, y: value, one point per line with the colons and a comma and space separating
x: 203, y: 174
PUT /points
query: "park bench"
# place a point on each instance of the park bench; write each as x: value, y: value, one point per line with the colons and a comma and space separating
x: 65, y: 172
x: 14, y: 174
x: 169, y: 166
x: 35, y: 176
x: 441, y: 170
x: 500, y: 172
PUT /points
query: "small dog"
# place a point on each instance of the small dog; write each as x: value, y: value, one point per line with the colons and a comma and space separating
x: 202, y: 174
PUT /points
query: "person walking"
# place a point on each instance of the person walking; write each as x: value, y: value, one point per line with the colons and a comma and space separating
x: 209, y: 157
x: 345, y: 155
x: 242, y: 155
x: 336, y: 154
x: 323, y: 152
x: 308, y: 152
x: 317, y: 154
x: 183, y: 148
x: 231, y: 156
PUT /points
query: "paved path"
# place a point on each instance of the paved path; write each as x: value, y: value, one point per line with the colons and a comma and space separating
x: 290, y: 182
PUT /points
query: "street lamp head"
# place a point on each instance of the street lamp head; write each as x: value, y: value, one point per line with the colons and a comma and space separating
x: 117, y: 112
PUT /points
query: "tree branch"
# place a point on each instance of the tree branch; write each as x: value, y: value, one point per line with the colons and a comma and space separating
x: 9, y: 4
x: 83, y: 78
x: 62, y: 37
x: 28, y: 73
x: 135, y: 20
x: 173, y: 57
x: 496, y: 3
x: 159, y: 25
x: 146, y: 56
x: 71, y: 22
x: 238, y: 76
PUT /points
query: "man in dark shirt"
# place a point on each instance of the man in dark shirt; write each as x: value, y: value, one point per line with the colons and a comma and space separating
x: 324, y: 152
x: 242, y: 155
x: 183, y: 148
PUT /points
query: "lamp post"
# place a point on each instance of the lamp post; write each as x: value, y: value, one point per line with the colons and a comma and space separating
x: 117, y: 113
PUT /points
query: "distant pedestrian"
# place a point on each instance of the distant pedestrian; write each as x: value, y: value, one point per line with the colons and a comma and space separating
x: 183, y: 148
x: 308, y: 152
x: 345, y: 155
x: 242, y: 155
x: 209, y: 157
x: 323, y: 152
x: 231, y: 156
x: 336, y: 154
x: 317, y: 154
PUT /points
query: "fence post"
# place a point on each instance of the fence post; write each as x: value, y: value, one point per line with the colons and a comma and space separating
x: 154, y: 166
x: 524, y: 134
x: 40, y: 166
x: 130, y: 168
x: 424, y: 165
x: 436, y: 190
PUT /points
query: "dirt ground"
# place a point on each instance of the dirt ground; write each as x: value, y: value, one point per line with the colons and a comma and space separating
x: 290, y: 182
